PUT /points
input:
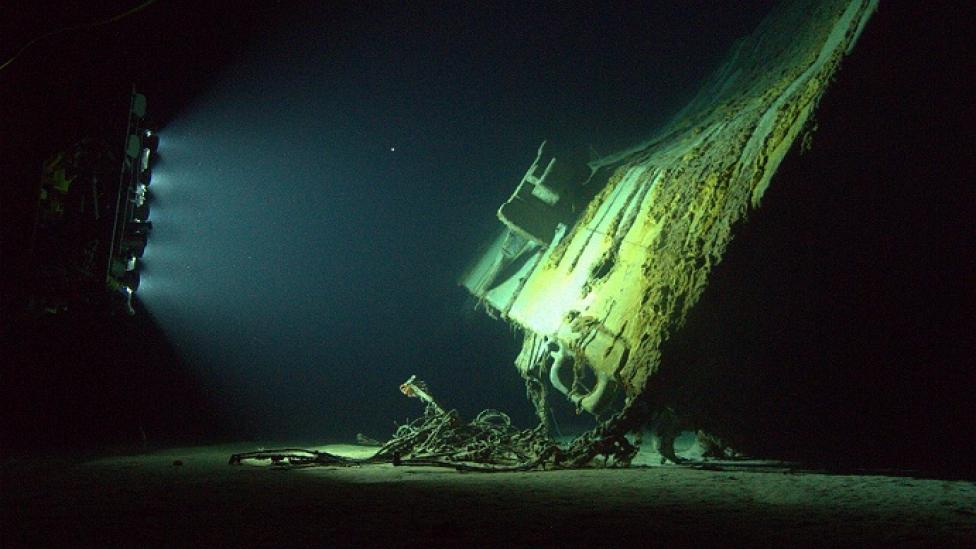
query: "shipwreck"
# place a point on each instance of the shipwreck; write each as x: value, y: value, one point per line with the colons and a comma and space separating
x: 598, y: 263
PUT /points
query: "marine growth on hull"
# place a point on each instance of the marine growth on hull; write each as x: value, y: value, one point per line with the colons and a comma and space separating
x: 599, y: 263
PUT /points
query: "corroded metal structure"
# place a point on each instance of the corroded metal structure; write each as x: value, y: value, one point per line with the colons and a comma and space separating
x: 598, y: 267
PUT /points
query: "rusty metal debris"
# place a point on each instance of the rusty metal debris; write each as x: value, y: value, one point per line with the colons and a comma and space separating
x: 488, y: 443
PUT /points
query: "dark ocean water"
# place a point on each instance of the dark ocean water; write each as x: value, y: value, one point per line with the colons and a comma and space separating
x: 325, y: 174
x: 320, y: 199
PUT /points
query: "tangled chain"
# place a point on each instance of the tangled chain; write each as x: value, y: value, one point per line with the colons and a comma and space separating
x: 489, y: 443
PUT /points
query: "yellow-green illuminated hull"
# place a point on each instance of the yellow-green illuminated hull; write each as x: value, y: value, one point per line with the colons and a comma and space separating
x: 610, y: 287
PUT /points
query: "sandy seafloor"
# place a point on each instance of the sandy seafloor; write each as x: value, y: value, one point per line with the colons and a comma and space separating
x: 145, y: 500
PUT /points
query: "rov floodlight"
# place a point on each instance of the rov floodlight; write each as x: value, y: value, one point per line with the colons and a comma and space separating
x: 147, y: 157
x: 144, y: 159
x: 131, y: 279
x: 139, y: 197
x: 126, y: 263
x: 141, y: 212
x: 138, y: 227
x: 145, y: 177
x: 140, y: 203
x: 127, y: 293
x: 150, y: 140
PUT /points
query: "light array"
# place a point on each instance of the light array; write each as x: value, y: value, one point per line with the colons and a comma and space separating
x: 132, y: 227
